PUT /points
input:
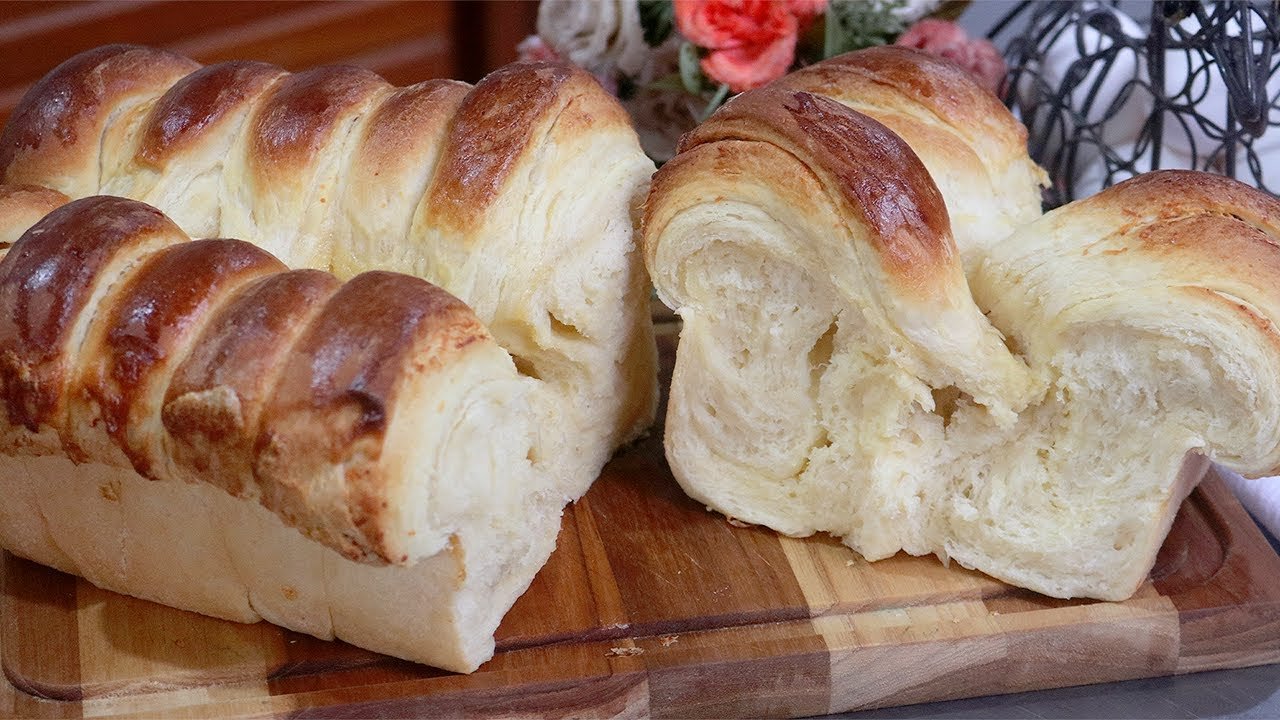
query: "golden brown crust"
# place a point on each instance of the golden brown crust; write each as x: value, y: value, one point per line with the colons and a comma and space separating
x: 875, y: 175
x: 154, y: 316
x: 1218, y: 234
x: 313, y: 371
x: 56, y: 127
x: 46, y: 281
x: 491, y: 128
x: 331, y: 407
x: 409, y: 117
x: 303, y: 114
x: 495, y: 124
x: 22, y: 206
x: 199, y: 102
x: 1225, y: 238
x: 903, y: 206
x: 1168, y: 194
x: 949, y: 92
x: 212, y: 406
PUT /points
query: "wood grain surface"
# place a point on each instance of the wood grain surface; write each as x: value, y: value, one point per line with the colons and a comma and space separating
x: 652, y: 606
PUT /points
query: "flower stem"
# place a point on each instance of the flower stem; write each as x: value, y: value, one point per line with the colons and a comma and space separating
x: 716, y: 101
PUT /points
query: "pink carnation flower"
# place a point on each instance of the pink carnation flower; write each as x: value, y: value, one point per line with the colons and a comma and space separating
x: 750, y: 42
x: 950, y: 41
x: 535, y: 48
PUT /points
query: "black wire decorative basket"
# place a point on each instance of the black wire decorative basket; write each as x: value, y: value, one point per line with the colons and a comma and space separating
x: 1106, y: 95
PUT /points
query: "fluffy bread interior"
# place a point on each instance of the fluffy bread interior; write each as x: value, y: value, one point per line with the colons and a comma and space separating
x: 1040, y: 420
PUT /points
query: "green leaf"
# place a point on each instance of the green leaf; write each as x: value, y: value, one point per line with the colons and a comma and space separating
x: 950, y: 10
x: 830, y: 33
x: 667, y: 82
x: 658, y: 18
x: 690, y: 70
x: 856, y: 24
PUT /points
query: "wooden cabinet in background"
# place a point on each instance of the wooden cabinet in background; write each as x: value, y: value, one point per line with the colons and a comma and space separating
x: 404, y: 42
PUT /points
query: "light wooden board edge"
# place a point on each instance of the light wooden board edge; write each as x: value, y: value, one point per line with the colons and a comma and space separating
x: 836, y: 661
x: 827, y: 664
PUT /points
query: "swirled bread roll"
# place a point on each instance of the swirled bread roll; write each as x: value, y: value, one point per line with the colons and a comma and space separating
x: 515, y: 195
x: 823, y: 300
x: 1149, y: 314
x: 973, y: 148
x: 1039, y: 420
x: 190, y: 422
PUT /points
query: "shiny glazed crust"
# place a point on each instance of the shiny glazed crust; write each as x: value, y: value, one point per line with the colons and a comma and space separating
x: 127, y: 369
x: 177, y: 411
x: 380, y: 458
x: 515, y: 195
x: 974, y: 149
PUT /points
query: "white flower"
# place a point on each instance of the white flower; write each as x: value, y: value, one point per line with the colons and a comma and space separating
x: 599, y: 35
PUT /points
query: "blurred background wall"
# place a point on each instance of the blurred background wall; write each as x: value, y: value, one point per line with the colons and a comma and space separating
x: 403, y: 41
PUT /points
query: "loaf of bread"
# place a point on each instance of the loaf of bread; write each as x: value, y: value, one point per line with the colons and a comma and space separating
x: 516, y: 195
x: 192, y: 423
x: 1040, y: 418
x: 225, y: 427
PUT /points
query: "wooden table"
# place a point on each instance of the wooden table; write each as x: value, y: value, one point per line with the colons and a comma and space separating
x: 653, y: 606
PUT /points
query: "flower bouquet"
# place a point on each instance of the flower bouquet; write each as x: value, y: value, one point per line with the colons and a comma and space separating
x: 673, y: 62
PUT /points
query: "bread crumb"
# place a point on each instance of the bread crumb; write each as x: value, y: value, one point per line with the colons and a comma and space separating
x: 669, y: 640
x: 625, y: 652
x: 848, y: 563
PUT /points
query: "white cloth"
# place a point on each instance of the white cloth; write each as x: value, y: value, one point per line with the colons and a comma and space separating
x: 1260, y: 497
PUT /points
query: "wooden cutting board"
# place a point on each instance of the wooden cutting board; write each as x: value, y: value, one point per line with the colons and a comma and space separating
x: 652, y: 606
